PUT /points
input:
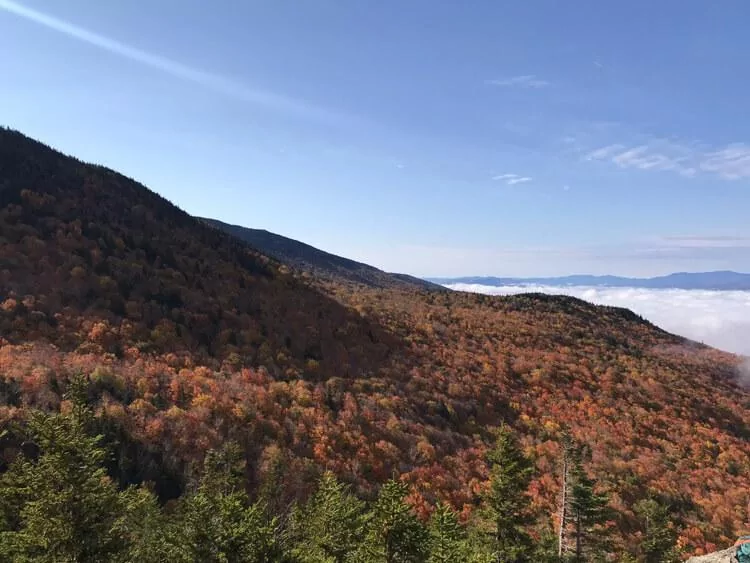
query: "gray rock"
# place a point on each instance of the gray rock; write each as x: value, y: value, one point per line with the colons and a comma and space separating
x: 726, y: 556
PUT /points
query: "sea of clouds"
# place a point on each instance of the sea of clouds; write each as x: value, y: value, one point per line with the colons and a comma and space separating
x: 717, y: 318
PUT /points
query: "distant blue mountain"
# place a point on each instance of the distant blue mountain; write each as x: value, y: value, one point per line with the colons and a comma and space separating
x: 721, y: 280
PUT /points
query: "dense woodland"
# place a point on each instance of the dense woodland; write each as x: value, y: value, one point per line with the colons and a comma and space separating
x: 184, y: 340
x: 85, y: 247
x: 318, y: 264
x: 59, y: 504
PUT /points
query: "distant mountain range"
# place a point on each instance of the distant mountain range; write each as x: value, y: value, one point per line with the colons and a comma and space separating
x: 720, y: 280
x: 321, y: 264
x: 306, y: 258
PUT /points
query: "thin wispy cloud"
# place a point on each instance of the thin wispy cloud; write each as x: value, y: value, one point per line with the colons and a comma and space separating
x: 524, y: 81
x: 731, y: 162
x: 712, y: 251
x: 707, y: 241
x: 512, y: 179
x: 522, y: 180
x: 208, y: 80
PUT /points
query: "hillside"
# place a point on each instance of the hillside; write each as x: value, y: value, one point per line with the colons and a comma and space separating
x: 319, y: 263
x: 189, y: 338
x: 96, y: 262
x: 721, y: 280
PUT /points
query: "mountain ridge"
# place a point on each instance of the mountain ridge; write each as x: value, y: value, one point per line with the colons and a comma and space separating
x: 312, y: 260
x: 85, y: 246
x: 712, y: 280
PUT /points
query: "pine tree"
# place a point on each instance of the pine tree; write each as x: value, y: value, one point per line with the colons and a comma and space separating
x: 151, y: 535
x: 395, y: 534
x: 330, y: 526
x: 447, y: 537
x: 546, y: 547
x: 62, y: 506
x: 218, y: 522
x: 660, y: 538
x: 588, y: 512
x: 507, y: 503
x: 274, y: 493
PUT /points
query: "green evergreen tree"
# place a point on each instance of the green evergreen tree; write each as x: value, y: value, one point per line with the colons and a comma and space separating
x: 395, y: 534
x: 589, y: 513
x: 659, y: 543
x: 151, y: 535
x: 61, y: 506
x: 218, y: 523
x: 447, y: 537
x: 546, y: 547
x: 330, y: 526
x: 479, y: 539
x: 274, y: 493
x: 225, y: 529
x: 507, y: 502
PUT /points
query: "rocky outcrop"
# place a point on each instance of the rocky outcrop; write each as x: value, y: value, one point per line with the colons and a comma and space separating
x: 726, y: 556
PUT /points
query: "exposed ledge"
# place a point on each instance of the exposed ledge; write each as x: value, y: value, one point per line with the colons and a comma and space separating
x: 726, y: 556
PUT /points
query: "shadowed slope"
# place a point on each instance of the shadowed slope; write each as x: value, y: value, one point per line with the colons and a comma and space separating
x: 322, y: 264
x: 82, y: 243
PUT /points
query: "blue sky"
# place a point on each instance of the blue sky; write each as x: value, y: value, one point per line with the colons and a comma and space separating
x: 434, y: 138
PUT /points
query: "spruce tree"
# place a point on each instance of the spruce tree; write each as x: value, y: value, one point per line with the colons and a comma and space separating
x: 62, y: 506
x: 546, y: 547
x: 330, y: 526
x: 447, y: 537
x: 659, y: 537
x: 395, y: 534
x: 152, y: 536
x: 589, y: 513
x: 507, y: 502
x: 217, y: 521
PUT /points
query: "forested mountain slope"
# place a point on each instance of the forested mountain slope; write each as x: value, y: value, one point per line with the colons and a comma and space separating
x: 188, y: 338
x: 319, y: 263
x: 92, y: 258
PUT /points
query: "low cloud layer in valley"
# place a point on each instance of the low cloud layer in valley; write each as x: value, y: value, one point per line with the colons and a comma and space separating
x: 717, y: 318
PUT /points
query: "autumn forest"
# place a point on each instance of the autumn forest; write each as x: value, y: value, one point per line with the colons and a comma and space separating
x: 169, y: 392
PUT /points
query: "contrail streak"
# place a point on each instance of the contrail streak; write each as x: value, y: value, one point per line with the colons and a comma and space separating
x: 208, y: 80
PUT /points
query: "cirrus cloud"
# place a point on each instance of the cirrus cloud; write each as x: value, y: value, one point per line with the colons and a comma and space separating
x: 523, y: 81
x: 209, y: 80
x: 512, y: 179
x: 731, y: 162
